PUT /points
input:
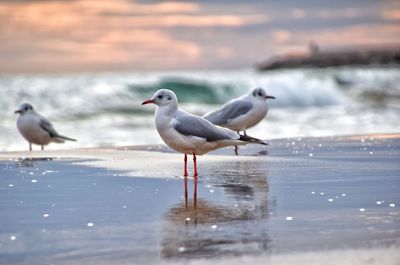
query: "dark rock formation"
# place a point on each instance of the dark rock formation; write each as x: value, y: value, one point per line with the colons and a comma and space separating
x: 334, y: 58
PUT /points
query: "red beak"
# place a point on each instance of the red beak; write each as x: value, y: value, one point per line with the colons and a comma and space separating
x: 147, y: 101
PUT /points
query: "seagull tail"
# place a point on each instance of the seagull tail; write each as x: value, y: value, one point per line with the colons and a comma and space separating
x: 66, y: 138
x: 250, y: 139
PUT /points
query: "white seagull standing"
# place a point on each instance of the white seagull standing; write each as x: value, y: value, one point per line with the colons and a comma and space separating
x: 241, y: 113
x: 188, y: 133
x: 36, y: 129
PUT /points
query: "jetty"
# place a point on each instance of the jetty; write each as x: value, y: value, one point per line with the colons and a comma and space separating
x: 323, y: 59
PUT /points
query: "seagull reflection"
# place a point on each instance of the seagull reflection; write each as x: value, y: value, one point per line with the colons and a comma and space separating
x: 201, y: 227
x: 195, y: 180
x: 30, y: 162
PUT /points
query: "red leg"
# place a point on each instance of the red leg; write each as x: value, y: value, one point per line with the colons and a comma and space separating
x: 195, y: 165
x: 195, y: 193
x: 236, y: 147
x: 186, y: 191
x: 185, y: 169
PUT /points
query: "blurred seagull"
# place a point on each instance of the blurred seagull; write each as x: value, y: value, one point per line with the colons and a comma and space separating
x: 37, y: 129
x: 241, y: 113
x: 188, y: 133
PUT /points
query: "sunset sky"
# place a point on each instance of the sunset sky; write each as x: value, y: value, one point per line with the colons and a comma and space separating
x: 103, y: 35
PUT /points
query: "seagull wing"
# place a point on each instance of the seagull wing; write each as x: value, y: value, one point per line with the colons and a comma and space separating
x: 191, y: 125
x: 46, y: 125
x: 229, y: 111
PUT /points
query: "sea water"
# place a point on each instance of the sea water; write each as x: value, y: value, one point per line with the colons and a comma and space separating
x: 340, y: 206
x: 104, y: 109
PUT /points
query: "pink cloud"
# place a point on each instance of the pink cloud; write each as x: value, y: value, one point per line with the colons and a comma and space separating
x: 281, y: 36
x: 364, y: 35
x: 391, y: 15
x: 175, y: 34
x: 298, y: 13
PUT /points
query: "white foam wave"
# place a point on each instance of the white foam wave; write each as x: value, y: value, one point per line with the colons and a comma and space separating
x: 308, y: 102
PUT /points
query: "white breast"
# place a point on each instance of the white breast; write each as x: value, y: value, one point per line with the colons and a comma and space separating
x: 175, y: 140
x: 28, y: 125
x: 251, y: 118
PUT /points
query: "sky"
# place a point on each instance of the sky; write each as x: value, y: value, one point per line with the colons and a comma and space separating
x: 129, y: 35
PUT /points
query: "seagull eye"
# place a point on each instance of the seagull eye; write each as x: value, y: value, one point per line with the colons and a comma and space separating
x: 169, y: 98
x: 160, y: 96
x: 26, y: 108
x: 260, y: 94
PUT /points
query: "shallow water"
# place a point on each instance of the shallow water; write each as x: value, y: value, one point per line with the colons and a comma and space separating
x: 59, y: 211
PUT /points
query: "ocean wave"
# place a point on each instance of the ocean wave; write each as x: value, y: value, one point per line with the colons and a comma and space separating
x: 92, y: 94
x: 308, y: 102
x: 189, y: 89
x: 379, y: 87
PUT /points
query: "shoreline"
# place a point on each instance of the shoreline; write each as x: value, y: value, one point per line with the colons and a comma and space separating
x: 133, y: 160
x: 165, y: 149
x: 300, y: 199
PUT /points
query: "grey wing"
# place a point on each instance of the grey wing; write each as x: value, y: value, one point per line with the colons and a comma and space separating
x: 229, y: 111
x: 191, y: 125
x: 46, y: 125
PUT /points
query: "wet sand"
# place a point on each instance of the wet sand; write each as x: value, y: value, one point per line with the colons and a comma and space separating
x: 304, y: 201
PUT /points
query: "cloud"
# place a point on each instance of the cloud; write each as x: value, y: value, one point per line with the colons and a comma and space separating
x: 112, y: 48
x: 281, y: 36
x: 364, y: 35
x: 225, y: 52
x: 127, y: 8
x: 298, y: 13
x: 75, y: 36
x: 49, y: 16
x: 127, y: 34
x: 332, y: 13
x: 340, y: 13
x: 391, y: 15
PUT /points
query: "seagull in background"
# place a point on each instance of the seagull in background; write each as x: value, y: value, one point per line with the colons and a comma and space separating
x: 36, y: 129
x: 190, y: 134
x: 241, y: 113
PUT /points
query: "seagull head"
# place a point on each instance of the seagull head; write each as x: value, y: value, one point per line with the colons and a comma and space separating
x: 162, y: 97
x: 259, y: 93
x: 24, y: 108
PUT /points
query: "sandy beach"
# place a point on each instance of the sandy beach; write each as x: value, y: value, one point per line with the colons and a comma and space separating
x: 331, y: 200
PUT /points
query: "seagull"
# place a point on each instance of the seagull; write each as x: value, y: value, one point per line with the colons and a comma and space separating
x: 37, y: 129
x: 188, y: 133
x: 241, y: 113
